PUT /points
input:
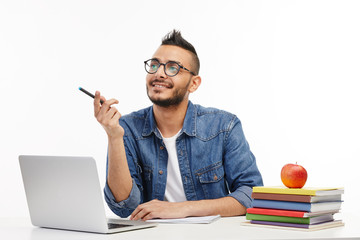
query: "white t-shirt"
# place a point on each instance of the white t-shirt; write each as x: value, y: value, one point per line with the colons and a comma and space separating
x: 174, y: 191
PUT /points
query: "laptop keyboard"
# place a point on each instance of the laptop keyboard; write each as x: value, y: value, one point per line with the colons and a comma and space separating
x: 117, y: 225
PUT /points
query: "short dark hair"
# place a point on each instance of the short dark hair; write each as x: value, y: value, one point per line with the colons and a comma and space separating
x: 174, y: 38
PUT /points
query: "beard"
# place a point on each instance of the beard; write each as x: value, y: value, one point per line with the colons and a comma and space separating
x: 177, y: 97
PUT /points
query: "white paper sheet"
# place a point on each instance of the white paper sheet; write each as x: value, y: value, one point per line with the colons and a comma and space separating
x: 206, y: 219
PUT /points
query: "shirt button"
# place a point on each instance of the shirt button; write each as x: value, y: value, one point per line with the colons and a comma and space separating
x: 161, y: 147
x: 161, y: 172
x: 215, y: 177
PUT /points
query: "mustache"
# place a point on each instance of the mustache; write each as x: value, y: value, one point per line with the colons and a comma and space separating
x: 155, y: 81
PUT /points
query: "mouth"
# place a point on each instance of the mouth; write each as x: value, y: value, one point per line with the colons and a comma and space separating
x: 161, y: 85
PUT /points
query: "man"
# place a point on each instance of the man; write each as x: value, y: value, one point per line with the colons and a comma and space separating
x: 175, y: 159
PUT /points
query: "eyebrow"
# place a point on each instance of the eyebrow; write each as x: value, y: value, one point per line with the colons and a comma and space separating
x: 154, y: 58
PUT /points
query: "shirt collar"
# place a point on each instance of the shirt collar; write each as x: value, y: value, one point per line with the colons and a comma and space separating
x: 189, y: 126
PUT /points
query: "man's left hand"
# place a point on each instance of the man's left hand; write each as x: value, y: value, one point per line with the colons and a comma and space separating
x: 159, y: 209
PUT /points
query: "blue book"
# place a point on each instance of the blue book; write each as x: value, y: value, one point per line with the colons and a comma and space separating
x: 298, y: 206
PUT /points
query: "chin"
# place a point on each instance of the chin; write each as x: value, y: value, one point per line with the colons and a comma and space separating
x: 174, y: 100
x: 167, y: 102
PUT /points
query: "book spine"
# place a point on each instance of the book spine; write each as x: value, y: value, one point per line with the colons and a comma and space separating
x: 282, y: 224
x: 298, y: 206
x: 270, y: 218
x: 276, y: 212
x: 295, y: 191
x: 282, y: 197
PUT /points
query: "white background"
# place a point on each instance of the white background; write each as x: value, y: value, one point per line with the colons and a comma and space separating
x: 288, y: 69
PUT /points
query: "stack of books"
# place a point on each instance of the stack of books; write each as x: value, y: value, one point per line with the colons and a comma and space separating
x: 295, y: 208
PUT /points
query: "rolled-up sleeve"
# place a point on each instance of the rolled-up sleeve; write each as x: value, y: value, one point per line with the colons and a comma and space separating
x: 242, y: 172
x: 126, y: 207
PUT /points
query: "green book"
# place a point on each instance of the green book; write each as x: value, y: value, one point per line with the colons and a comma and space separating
x: 308, y: 220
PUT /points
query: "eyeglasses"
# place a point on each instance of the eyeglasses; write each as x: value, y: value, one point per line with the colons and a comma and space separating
x: 171, y: 68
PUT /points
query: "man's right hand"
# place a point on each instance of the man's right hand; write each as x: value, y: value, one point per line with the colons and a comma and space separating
x: 108, y: 116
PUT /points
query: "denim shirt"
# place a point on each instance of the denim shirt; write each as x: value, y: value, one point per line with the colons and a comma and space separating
x: 214, y: 158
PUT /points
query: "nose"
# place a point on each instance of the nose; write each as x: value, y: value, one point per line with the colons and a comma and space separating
x: 161, y: 72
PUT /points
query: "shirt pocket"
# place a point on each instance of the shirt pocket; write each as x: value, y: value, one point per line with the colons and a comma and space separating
x: 212, y: 180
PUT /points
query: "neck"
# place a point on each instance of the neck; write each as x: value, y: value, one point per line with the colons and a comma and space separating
x: 169, y: 120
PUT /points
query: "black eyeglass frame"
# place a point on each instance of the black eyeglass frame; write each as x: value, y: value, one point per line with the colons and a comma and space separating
x: 164, y: 64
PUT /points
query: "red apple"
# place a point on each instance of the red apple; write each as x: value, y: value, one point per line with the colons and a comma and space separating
x: 293, y: 175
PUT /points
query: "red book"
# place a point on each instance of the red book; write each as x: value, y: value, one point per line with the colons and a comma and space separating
x: 286, y: 213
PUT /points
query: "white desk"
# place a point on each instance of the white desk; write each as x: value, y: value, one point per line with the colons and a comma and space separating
x: 225, y: 228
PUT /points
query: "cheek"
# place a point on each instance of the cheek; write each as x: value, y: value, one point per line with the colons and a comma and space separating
x: 149, y: 77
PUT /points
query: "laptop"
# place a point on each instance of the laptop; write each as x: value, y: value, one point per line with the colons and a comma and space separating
x: 65, y: 193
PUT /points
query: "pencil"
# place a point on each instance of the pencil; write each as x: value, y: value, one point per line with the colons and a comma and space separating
x: 89, y: 94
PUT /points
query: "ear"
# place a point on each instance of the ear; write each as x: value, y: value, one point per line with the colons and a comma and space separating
x: 195, y: 83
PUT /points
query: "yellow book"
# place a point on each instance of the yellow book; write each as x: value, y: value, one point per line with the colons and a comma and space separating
x: 313, y: 191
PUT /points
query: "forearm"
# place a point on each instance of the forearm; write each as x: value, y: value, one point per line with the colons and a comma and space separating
x: 118, y: 178
x: 226, y: 207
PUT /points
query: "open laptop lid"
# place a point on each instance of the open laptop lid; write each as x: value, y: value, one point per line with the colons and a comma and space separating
x: 65, y: 193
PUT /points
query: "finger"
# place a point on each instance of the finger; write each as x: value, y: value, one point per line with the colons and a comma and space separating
x: 115, y: 119
x: 107, y: 105
x: 142, y: 214
x: 110, y: 114
x: 135, y: 212
x: 117, y: 116
x: 102, y: 99
x: 143, y: 206
x: 140, y: 211
x: 110, y: 117
x: 97, y: 103
x: 149, y: 216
